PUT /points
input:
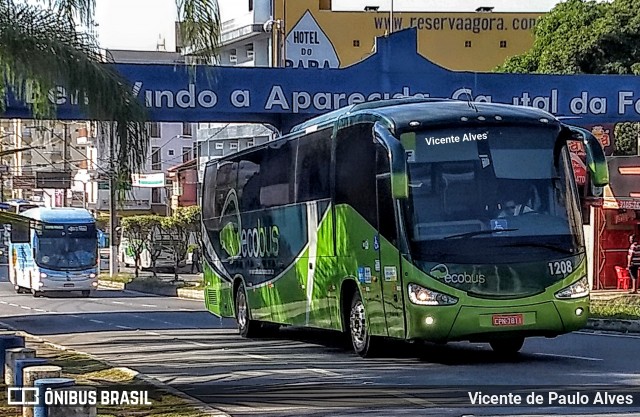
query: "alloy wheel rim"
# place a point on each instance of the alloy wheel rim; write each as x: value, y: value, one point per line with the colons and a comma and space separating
x: 358, y: 325
x: 242, y: 311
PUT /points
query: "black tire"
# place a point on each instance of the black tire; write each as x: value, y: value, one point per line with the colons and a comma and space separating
x: 246, y: 327
x: 508, y: 347
x: 363, y: 343
x: 36, y: 294
x: 19, y: 289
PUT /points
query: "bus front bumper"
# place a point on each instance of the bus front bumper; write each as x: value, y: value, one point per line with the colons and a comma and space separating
x: 49, y: 284
x: 482, y: 323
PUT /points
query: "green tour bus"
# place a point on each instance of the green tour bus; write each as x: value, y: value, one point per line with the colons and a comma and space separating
x: 417, y: 219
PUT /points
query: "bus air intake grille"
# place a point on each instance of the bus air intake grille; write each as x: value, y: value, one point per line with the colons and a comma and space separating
x: 212, y: 296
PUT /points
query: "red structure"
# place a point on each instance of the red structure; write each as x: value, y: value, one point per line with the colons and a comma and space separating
x: 185, y: 184
x: 616, y: 216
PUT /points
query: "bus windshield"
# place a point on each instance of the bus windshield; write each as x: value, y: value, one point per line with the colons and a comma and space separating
x: 491, y: 195
x: 66, y: 247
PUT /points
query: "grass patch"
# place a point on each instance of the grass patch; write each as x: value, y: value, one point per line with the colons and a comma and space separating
x: 90, y: 372
x: 624, y: 307
x: 121, y: 277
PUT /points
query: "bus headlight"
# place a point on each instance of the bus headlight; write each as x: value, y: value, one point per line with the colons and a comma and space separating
x: 43, y: 275
x: 426, y: 297
x: 92, y: 275
x: 578, y: 289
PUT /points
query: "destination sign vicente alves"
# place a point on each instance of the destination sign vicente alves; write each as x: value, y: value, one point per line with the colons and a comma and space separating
x: 283, y: 96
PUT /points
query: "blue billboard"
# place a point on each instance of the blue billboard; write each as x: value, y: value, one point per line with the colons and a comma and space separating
x: 286, y: 96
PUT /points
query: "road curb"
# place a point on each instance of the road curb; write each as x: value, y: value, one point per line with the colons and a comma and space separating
x: 191, y: 401
x: 611, y: 325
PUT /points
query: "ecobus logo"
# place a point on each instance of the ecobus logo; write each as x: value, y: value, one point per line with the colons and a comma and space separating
x: 253, y: 242
x: 441, y: 271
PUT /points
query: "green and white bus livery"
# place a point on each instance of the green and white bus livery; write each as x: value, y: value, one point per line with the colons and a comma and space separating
x: 417, y: 219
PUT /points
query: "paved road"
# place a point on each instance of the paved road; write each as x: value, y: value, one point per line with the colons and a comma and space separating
x: 310, y: 372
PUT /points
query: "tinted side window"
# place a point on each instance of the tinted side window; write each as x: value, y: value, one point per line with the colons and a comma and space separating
x: 312, y: 166
x: 249, y: 172
x: 208, y: 191
x: 276, y: 180
x: 225, y: 181
x: 356, y: 170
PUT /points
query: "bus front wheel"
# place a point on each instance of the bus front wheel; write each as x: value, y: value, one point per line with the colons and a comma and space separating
x: 246, y: 326
x: 509, y: 346
x: 363, y: 343
x: 36, y: 293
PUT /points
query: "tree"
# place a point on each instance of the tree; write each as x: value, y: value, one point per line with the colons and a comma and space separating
x: 176, y: 231
x: 139, y: 232
x: 190, y: 217
x: 585, y: 37
x: 41, y: 47
x: 627, y: 135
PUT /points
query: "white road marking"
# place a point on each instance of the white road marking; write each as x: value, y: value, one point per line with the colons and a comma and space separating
x: 13, y: 305
x: 584, y: 358
x: 148, y: 305
x: 117, y: 302
x: 124, y: 327
x: 153, y: 334
x: 3, y: 302
x: 26, y: 307
x: 96, y: 321
x: 39, y: 310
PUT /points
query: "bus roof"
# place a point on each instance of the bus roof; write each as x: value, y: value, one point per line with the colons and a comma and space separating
x: 60, y: 215
x: 432, y: 111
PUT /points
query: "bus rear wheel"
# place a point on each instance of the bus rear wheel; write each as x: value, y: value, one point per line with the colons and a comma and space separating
x: 363, y: 343
x: 509, y: 346
x: 246, y: 326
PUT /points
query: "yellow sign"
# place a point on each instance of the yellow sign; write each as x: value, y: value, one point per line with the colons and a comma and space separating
x: 322, y: 38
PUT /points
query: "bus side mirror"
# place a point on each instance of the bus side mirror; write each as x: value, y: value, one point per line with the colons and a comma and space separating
x: 399, y: 172
x: 596, y: 161
x: 20, y: 233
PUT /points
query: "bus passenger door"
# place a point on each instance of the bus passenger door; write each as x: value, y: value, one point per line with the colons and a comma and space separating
x: 385, y: 243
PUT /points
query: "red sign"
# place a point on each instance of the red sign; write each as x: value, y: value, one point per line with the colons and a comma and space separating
x: 579, y: 169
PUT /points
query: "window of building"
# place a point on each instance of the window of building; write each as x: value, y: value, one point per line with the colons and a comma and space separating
x: 186, y: 154
x: 156, y: 163
x: 503, y: 44
x: 467, y: 44
x: 154, y: 130
x: 233, y: 145
x: 219, y: 145
x: 249, y: 144
x: 196, y: 149
x: 186, y: 129
x: 170, y: 152
x: 356, y: 43
x: 156, y: 195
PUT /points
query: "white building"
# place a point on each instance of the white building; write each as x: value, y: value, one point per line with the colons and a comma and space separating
x: 170, y: 144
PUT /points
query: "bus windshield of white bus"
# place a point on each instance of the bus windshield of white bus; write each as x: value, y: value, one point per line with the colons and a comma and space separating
x: 65, y: 246
x: 488, y: 194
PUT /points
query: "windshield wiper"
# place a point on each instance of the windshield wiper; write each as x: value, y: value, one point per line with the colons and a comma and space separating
x: 478, y: 232
x: 541, y: 245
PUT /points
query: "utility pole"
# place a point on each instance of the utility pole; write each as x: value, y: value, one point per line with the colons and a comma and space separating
x: 65, y: 163
x: 113, y: 220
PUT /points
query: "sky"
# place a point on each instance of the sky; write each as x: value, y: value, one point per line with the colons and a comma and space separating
x: 138, y: 24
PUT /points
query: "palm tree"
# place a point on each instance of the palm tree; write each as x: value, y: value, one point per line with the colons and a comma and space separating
x: 42, y: 46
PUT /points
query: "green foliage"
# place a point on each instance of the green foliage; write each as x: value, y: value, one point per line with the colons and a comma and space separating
x: 626, y: 135
x: 140, y: 232
x: 102, y: 221
x: 584, y: 36
x: 41, y: 47
x: 625, y: 307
